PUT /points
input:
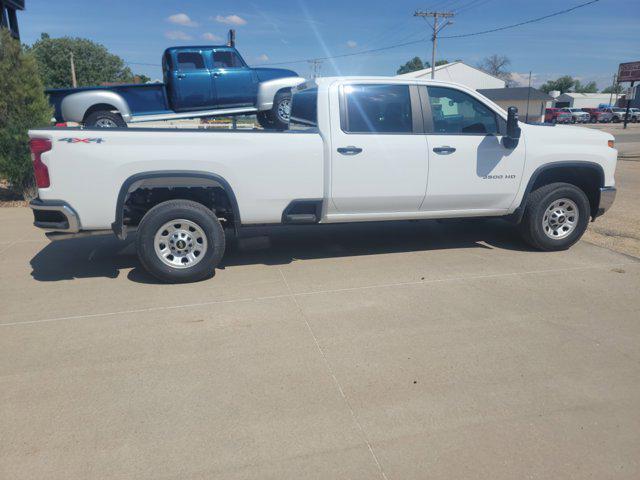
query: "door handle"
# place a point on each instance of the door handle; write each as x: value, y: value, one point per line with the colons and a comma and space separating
x: 181, y: 75
x: 350, y: 150
x: 445, y: 150
x: 215, y: 75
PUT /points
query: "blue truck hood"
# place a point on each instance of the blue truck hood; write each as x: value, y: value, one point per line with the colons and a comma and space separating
x: 265, y: 74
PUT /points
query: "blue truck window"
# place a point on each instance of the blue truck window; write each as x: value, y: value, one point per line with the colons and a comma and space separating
x: 190, y: 61
x: 226, y: 60
x: 304, y: 107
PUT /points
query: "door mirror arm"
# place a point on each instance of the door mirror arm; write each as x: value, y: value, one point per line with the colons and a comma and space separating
x: 512, y: 137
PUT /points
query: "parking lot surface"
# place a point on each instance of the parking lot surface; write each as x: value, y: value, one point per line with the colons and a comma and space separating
x: 391, y: 351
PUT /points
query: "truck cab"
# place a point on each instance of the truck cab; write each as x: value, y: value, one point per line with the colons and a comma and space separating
x: 206, y: 77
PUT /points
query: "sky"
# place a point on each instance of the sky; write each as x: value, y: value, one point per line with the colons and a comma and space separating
x: 587, y: 43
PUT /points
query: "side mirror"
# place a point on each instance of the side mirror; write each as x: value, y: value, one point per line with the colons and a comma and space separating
x: 510, y: 140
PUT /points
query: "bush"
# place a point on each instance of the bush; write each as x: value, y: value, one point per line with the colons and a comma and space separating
x: 23, y: 105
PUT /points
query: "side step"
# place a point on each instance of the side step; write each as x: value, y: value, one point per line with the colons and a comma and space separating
x: 303, y: 212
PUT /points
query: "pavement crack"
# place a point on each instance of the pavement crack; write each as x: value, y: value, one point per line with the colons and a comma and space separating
x: 336, y: 382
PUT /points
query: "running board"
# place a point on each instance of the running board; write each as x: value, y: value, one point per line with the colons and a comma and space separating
x: 198, y: 114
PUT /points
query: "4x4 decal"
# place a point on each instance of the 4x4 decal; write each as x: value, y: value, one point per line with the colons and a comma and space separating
x: 81, y: 140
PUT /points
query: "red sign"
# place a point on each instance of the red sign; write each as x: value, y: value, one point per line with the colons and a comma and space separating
x: 629, y: 72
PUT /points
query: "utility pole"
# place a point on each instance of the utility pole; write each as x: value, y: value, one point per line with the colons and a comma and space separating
x: 436, y: 30
x: 316, y: 64
x: 74, y: 82
x: 613, y: 87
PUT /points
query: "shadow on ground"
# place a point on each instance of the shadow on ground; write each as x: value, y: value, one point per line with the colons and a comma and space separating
x: 105, y: 256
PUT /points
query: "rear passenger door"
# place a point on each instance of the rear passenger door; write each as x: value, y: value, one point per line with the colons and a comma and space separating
x: 469, y: 168
x: 192, y: 82
x: 379, y: 160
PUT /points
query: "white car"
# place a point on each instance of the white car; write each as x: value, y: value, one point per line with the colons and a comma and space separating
x: 577, y: 115
x: 359, y: 149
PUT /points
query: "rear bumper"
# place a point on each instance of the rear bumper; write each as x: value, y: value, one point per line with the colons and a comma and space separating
x: 54, y: 215
x: 607, y: 197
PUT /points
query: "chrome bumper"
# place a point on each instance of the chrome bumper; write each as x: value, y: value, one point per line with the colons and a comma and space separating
x: 607, y: 196
x: 54, y: 215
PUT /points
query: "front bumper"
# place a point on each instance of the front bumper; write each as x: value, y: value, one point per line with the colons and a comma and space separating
x: 607, y: 197
x: 54, y: 215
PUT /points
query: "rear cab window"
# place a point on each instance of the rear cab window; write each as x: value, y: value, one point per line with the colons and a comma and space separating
x: 304, y: 107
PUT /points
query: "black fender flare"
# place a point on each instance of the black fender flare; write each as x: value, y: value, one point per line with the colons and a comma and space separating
x: 170, y: 178
x: 517, y: 215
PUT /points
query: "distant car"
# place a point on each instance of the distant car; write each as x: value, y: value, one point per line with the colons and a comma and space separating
x: 634, y: 114
x: 618, y: 114
x: 577, y: 115
x: 598, y: 115
x: 556, y: 115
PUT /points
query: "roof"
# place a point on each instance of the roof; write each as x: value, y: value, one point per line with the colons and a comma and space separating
x: 515, y: 93
x: 427, y: 71
x: 585, y: 95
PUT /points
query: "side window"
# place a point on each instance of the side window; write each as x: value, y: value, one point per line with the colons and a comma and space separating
x: 304, y: 107
x: 167, y: 61
x: 376, y: 109
x: 190, y: 61
x: 454, y: 111
x: 226, y: 59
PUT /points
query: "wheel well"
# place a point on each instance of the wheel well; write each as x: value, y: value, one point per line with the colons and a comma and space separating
x: 589, y: 179
x: 142, y: 199
x: 97, y: 108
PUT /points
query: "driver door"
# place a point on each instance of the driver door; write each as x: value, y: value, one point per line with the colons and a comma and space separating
x: 469, y: 168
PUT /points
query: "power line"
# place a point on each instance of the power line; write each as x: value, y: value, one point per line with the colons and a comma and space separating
x: 436, y: 30
x: 561, y: 12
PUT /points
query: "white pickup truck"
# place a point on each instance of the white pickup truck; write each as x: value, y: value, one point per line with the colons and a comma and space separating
x: 359, y: 149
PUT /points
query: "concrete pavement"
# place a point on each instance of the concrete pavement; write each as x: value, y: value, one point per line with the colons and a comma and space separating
x: 392, y: 351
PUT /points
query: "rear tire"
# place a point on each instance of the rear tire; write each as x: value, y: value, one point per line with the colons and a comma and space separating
x: 556, y: 216
x: 180, y: 241
x: 104, y: 119
x: 278, y: 117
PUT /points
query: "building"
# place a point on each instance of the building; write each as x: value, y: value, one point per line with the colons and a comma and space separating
x: 530, y: 102
x: 459, y: 72
x: 585, y: 100
x: 9, y: 17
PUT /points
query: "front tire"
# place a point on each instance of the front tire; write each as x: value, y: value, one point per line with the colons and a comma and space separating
x: 180, y: 241
x: 104, y: 119
x: 556, y: 216
x: 278, y: 117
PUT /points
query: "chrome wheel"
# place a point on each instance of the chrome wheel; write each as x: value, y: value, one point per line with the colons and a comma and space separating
x: 560, y: 218
x: 180, y: 243
x: 284, y: 110
x: 106, y: 123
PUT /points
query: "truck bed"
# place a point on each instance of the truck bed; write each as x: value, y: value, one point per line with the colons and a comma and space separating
x: 266, y: 170
x: 143, y: 99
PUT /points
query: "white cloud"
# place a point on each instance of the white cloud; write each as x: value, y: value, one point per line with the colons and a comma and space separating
x: 182, y: 19
x: 177, y: 35
x: 211, y: 37
x: 231, y: 20
x: 263, y: 57
x: 352, y: 44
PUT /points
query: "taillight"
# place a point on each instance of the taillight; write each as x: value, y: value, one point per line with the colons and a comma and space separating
x: 38, y: 146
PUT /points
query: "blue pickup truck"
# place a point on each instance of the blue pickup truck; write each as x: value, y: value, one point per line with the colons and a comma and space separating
x: 202, y: 81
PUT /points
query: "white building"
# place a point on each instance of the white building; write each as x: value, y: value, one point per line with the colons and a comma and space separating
x: 459, y: 72
x: 530, y: 102
x: 584, y: 100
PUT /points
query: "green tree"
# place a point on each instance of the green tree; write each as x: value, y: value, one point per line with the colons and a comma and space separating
x: 590, y: 87
x: 617, y: 88
x: 23, y: 105
x: 562, y: 84
x: 411, y: 66
x: 416, y: 63
x: 94, y: 64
